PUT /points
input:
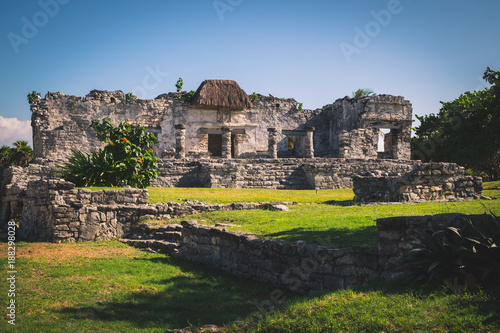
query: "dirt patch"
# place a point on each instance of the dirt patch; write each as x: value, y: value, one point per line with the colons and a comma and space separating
x: 62, y: 252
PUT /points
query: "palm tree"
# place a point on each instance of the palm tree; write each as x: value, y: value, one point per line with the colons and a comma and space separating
x: 362, y: 92
x: 21, y: 153
x: 5, y: 155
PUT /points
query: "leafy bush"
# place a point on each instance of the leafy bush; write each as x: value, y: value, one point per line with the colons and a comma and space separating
x: 32, y: 96
x: 128, y: 97
x: 254, y: 96
x: 190, y: 96
x: 466, y: 253
x: 127, y: 159
x: 179, y: 84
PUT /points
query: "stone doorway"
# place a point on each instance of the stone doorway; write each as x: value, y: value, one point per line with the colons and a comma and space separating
x: 215, y: 145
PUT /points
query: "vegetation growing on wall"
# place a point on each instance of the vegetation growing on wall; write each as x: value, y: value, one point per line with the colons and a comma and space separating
x: 127, y: 158
x: 32, y: 96
x: 190, y: 95
x: 362, y: 92
x: 179, y: 84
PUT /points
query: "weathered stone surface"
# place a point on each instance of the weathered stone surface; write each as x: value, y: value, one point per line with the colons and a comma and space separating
x: 426, y: 182
x: 61, y: 122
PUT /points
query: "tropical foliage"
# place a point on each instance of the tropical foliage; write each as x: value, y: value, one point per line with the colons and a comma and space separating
x: 19, y: 155
x: 126, y: 159
x: 465, y: 253
x: 32, y: 96
x: 179, y: 84
x: 465, y: 131
x: 361, y: 93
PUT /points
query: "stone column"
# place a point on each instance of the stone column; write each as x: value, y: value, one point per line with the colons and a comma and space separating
x: 308, y: 142
x: 226, y: 142
x: 272, y: 143
x: 180, y: 141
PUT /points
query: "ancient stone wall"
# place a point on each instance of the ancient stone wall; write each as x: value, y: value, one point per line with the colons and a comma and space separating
x: 297, y: 267
x: 13, y: 185
x: 62, y: 122
x: 53, y: 210
x: 371, y: 113
x: 426, y: 182
x: 318, y: 173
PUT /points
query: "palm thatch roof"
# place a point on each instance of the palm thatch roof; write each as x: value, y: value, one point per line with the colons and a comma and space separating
x: 221, y: 94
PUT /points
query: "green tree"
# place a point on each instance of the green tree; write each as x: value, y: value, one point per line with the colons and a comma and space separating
x: 361, y: 93
x: 179, y: 84
x: 19, y: 155
x: 126, y: 159
x: 465, y: 131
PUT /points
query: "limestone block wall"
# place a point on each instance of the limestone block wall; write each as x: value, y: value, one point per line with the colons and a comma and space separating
x: 52, y: 210
x: 320, y: 173
x: 297, y: 267
x: 61, y: 122
x: 426, y: 182
x: 371, y: 113
x: 13, y: 185
x: 359, y: 143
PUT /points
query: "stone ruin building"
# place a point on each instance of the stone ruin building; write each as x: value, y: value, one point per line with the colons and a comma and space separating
x: 223, y: 137
x: 222, y: 121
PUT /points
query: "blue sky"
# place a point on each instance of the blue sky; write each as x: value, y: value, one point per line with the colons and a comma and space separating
x: 313, y: 51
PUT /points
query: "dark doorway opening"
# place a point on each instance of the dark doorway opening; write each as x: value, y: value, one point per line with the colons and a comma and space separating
x: 215, y: 145
x: 234, y: 146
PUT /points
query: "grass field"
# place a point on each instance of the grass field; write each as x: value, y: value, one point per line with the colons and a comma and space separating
x: 318, y: 218
x: 110, y: 287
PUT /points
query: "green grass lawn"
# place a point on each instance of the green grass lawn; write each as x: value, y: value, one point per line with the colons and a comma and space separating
x: 383, y: 308
x: 229, y: 195
x: 109, y: 287
x: 491, y: 189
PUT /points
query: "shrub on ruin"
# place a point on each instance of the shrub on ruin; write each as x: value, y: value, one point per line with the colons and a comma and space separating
x: 463, y: 254
x: 126, y: 159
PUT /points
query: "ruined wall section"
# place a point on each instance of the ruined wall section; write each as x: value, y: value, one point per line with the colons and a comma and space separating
x: 371, y: 113
x: 61, y: 122
x: 281, y: 173
x: 425, y: 182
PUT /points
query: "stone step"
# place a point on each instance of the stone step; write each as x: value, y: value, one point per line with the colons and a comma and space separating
x: 172, y: 236
x: 162, y: 246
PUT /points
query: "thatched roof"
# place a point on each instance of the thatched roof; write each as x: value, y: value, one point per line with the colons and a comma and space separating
x: 225, y: 94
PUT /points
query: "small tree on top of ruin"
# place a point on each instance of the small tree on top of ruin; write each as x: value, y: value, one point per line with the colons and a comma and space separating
x: 362, y: 92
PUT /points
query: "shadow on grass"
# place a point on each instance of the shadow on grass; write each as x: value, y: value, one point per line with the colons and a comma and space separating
x: 335, y: 237
x: 344, y: 203
x: 200, y: 296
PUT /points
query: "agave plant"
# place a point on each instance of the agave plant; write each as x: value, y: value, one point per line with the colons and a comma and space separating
x: 437, y: 256
x: 466, y: 253
x: 483, y: 260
